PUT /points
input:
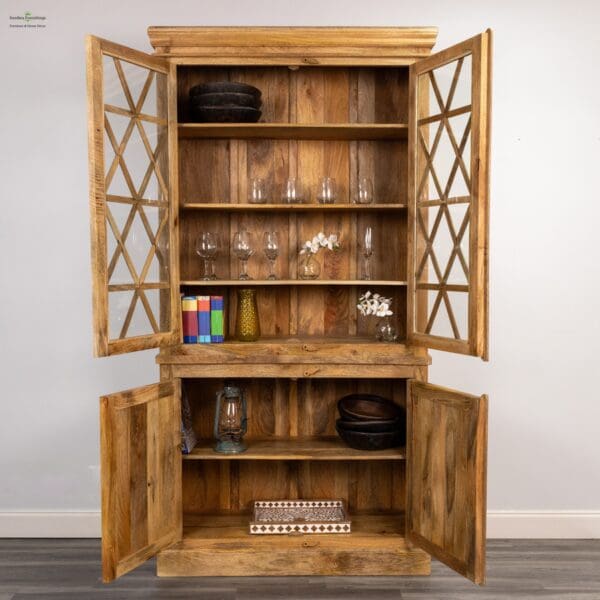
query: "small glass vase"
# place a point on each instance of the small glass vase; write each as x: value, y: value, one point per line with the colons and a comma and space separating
x: 385, y: 331
x: 308, y: 267
x: 247, y: 323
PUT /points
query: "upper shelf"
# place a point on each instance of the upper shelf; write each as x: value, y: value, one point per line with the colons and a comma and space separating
x: 296, y: 131
x: 280, y: 282
x: 330, y: 448
x: 312, y: 207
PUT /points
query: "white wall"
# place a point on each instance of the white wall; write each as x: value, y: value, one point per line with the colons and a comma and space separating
x: 545, y: 407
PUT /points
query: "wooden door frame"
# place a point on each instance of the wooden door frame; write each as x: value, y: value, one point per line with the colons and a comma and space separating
x: 479, y: 47
x: 103, y: 346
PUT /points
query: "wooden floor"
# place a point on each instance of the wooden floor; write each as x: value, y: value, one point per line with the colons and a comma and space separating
x: 70, y: 569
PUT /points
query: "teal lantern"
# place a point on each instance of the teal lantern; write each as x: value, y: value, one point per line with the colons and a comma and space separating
x: 230, y: 420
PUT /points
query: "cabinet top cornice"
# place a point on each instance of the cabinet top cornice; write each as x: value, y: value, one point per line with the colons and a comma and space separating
x: 293, y: 45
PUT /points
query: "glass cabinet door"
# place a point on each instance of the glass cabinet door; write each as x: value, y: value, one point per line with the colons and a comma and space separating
x: 131, y: 203
x: 448, y: 198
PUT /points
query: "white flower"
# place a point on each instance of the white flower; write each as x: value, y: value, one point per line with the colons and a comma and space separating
x: 320, y: 241
x: 374, y: 304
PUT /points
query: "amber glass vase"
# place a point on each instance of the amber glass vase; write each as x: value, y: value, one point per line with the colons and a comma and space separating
x: 247, y: 323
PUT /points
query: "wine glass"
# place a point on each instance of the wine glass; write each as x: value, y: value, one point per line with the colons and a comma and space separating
x: 257, y: 191
x: 207, y: 247
x: 271, y: 249
x: 243, y: 246
x: 367, y: 252
x: 365, y: 191
x: 327, y: 190
x: 292, y: 192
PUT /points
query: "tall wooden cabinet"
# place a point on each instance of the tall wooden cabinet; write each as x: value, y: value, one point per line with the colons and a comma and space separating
x: 343, y: 102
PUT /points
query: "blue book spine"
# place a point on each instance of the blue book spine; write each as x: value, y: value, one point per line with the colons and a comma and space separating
x: 204, y: 319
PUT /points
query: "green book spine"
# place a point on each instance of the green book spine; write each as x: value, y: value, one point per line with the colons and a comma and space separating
x: 217, y: 334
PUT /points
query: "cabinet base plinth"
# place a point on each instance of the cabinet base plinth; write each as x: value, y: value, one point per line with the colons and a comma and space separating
x: 222, y: 547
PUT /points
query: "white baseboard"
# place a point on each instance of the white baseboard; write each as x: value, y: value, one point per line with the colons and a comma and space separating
x: 500, y: 524
x: 563, y: 524
x: 50, y: 524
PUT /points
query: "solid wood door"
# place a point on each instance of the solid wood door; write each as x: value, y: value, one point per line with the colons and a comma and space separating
x: 446, y: 476
x: 448, y: 197
x: 131, y: 116
x: 140, y: 445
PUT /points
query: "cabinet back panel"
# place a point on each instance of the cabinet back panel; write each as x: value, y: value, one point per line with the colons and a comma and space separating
x: 230, y: 487
x: 388, y: 234
x: 286, y: 408
x: 309, y: 311
x: 283, y: 408
x: 312, y: 94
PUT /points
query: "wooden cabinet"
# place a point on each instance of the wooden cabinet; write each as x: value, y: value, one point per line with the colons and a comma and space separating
x: 343, y: 102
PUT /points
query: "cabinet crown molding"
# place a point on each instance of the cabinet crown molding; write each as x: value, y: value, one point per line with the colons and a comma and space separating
x: 307, y: 46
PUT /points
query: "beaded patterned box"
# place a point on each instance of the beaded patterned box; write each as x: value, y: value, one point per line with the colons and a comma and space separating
x: 282, y: 517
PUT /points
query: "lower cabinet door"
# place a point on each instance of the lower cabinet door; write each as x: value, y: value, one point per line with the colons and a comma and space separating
x: 141, y: 475
x: 446, y: 476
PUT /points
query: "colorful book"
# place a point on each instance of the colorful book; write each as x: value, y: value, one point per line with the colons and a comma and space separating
x: 189, y: 307
x: 217, y: 334
x: 204, y: 319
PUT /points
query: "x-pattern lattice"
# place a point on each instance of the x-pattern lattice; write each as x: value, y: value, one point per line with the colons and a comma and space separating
x: 442, y: 203
x: 136, y: 197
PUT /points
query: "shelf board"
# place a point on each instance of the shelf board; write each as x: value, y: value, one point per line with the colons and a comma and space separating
x: 351, y: 350
x: 219, y: 545
x: 312, y: 207
x: 330, y: 448
x: 281, y: 282
x: 296, y: 131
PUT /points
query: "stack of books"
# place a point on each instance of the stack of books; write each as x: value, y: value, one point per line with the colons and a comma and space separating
x: 202, y: 319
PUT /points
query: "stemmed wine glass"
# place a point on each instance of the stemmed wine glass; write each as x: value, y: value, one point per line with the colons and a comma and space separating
x: 367, y: 252
x: 243, y: 246
x: 271, y: 249
x: 207, y: 247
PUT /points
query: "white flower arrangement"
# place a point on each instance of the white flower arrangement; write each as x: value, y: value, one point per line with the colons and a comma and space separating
x: 374, y: 304
x: 321, y: 241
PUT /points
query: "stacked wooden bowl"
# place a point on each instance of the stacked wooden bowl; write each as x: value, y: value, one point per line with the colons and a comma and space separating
x: 225, y: 102
x: 371, y: 422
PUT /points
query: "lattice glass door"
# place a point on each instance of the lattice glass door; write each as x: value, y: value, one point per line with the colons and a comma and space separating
x: 130, y: 198
x: 448, y: 196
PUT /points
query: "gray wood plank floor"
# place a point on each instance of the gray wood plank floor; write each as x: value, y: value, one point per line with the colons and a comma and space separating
x: 523, y: 569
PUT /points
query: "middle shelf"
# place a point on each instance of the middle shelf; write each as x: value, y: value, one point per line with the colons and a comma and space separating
x: 323, y: 448
x: 280, y: 282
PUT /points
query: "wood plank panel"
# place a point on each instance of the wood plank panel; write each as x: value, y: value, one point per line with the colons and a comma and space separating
x: 446, y: 459
x: 141, y: 475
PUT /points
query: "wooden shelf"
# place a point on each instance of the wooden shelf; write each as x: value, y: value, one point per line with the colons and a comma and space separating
x: 331, y: 448
x: 311, y: 357
x: 264, y: 282
x: 296, y: 131
x: 312, y: 207
x: 216, y: 545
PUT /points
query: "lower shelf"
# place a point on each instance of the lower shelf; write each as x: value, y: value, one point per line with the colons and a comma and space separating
x: 325, y: 448
x: 221, y: 546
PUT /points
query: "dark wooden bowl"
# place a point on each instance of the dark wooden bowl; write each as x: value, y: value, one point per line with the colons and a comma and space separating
x: 369, y: 407
x: 229, y: 99
x: 372, y: 441
x: 215, y: 114
x: 219, y: 87
x: 371, y: 426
